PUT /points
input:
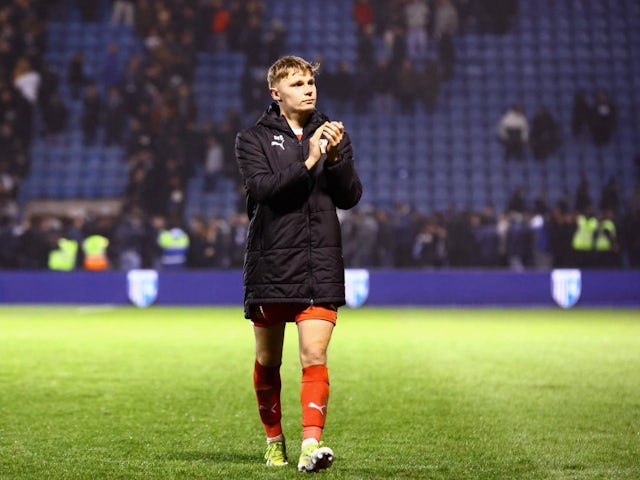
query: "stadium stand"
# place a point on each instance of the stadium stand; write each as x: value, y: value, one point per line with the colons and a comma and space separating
x: 430, y: 160
x: 553, y: 50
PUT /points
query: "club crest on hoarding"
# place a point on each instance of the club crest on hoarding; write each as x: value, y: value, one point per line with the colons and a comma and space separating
x: 142, y: 287
x: 356, y: 282
x: 566, y: 287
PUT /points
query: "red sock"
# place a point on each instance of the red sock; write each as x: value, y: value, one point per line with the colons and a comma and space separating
x: 266, y: 382
x: 314, y: 396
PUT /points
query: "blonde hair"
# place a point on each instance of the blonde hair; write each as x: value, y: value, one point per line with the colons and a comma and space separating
x: 282, y: 67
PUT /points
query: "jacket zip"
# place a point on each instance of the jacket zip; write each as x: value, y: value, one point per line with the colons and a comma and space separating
x: 311, y: 301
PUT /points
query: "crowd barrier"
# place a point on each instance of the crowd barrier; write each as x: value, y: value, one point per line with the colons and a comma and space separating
x: 560, y: 288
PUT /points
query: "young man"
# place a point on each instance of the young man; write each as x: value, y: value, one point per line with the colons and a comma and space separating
x: 297, y: 168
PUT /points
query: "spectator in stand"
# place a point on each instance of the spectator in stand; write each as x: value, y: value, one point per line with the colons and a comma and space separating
x: 132, y: 241
x: 8, y: 240
x: 185, y: 103
x: 363, y: 93
x: 275, y: 41
x: 123, y: 12
x: 540, y: 203
x: 173, y: 241
x: 519, y: 241
x: 202, y: 251
x: 513, y: 132
x: 136, y: 193
x: 462, y: 246
x: 132, y: 84
x: 27, y: 81
x: 251, y: 38
x: 404, y: 231
x: 11, y: 153
x: 580, y: 115
x: 237, y: 21
x: 560, y: 229
x: 214, y: 163
x: 395, y: 41
x: 111, y: 70
x: 91, y: 114
x: 382, y: 82
x: 114, y: 117
x: 48, y: 85
x: 610, y: 197
x: 8, y: 185
x: 144, y: 17
x: 583, y: 200
x: 385, y: 240
x: 365, y: 46
x: 54, y: 116
x: 518, y: 201
x: 76, y: 76
x: 220, y: 19
x: 209, y: 244
x: 407, y: 87
x: 15, y: 115
x: 363, y: 14
x: 583, y: 242
x: 603, y: 118
x: 445, y: 28
x: 606, y: 242
x: 429, y: 249
x: 177, y: 197
x: 545, y: 137
x: 365, y: 237
x: 34, y: 244
x: 416, y: 18
x: 140, y: 138
x: 195, y: 145
x: 486, y: 237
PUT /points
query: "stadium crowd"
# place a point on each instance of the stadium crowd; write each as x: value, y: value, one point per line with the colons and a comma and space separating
x: 148, y: 107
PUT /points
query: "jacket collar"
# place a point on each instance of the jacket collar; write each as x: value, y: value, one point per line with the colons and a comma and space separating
x: 272, y: 118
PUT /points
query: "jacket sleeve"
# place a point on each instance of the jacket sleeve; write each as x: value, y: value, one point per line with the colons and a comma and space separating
x: 345, y: 186
x: 263, y: 184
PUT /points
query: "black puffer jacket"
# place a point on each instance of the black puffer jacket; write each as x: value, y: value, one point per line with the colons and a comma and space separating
x: 294, y: 246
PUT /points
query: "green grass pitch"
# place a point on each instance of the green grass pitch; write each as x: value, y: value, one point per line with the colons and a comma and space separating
x: 166, y: 393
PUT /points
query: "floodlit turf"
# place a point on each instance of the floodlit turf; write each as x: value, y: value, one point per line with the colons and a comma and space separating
x: 166, y: 393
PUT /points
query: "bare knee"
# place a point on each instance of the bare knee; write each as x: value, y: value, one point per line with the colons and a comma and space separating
x: 313, y: 356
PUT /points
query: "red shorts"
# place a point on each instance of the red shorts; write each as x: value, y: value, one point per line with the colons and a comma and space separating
x: 271, y: 314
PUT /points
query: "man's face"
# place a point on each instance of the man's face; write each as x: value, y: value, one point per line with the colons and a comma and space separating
x: 296, y: 93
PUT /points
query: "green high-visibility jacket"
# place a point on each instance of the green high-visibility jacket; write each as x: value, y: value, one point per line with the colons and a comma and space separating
x: 603, y: 242
x: 64, y: 257
x: 583, y: 238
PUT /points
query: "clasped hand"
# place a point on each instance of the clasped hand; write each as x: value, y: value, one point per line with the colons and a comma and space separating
x: 326, y: 140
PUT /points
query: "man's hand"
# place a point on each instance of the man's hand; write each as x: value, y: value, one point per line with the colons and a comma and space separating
x: 333, y: 132
x: 325, y: 140
x: 314, y: 147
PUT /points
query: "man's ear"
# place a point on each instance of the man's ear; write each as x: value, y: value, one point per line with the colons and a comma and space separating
x: 274, y: 94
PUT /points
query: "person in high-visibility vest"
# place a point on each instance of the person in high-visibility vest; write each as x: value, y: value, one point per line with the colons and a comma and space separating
x: 65, y: 256
x: 583, y: 239
x: 94, y: 248
x: 174, y: 243
x: 606, y: 243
